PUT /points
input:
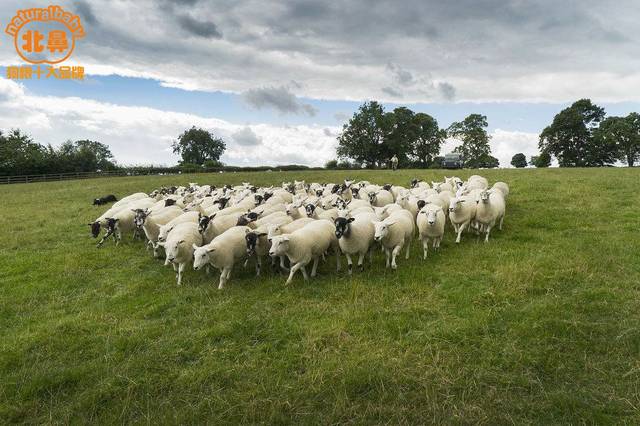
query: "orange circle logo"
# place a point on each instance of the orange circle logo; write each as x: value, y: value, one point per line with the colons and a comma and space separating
x: 45, y: 35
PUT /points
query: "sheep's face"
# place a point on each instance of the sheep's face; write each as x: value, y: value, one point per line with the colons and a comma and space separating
x: 140, y: 217
x: 171, y: 250
x: 342, y: 226
x: 95, y: 229
x: 355, y: 192
x: 319, y: 192
x: 484, y: 196
x: 200, y: 257
x: 431, y: 214
x: 203, y: 222
x: 310, y: 209
x: 381, y: 230
x: 340, y: 203
x: 414, y: 183
x: 455, y: 204
x: 164, y: 231
x: 272, y: 231
x: 258, y: 199
x: 279, y: 245
x: 372, y: 197
x: 252, y: 240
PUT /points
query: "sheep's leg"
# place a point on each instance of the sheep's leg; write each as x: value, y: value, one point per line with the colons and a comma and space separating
x: 118, y: 236
x: 258, y: 265
x: 314, y: 269
x: 282, y: 265
x: 304, y: 272
x: 360, y: 261
x: 408, y: 243
x: 224, y: 277
x: 488, y: 230
x: 181, y: 268
x: 501, y: 220
x: 207, y: 268
x: 338, y: 265
x: 294, y: 269
x: 425, y: 248
x: 396, y: 251
x: 387, y: 254
x: 175, y: 267
x: 371, y: 255
x: 246, y: 261
x: 460, y: 230
x: 349, y: 263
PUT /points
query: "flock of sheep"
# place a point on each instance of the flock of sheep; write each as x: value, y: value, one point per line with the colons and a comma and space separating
x: 208, y: 226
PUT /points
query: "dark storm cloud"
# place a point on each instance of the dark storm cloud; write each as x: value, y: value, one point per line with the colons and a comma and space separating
x: 278, y: 98
x: 392, y: 92
x: 352, y: 49
x: 199, y: 28
x: 86, y: 12
x: 447, y: 91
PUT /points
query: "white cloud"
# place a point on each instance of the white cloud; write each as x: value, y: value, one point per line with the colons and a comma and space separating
x: 140, y: 135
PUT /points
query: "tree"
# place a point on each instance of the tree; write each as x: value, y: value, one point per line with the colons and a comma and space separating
x: 363, y: 135
x: 197, y: 145
x: 472, y: 132
x: 542, y: 160
x: 20, y: 155
x: 401, y: 132
x: 488, y: 162
x: 519, y: 160
x: 622, y: 134
x: 331, y: 164
x: 570, y: 137
x: 429, y: 138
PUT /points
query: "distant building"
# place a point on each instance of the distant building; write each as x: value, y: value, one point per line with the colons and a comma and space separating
x: 453, y: 160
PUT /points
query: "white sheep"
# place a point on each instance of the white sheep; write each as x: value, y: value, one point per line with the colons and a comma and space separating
x: 222, y: 252
x: 179, y: 246
x: 355, y: 236
x: 490, y: 209
x: 191, y: 217
x: 394, y: 233
x: 306, y: 244
x: 380, y: 198
x: 462, y: 210
x: 130, y: 198
x: 150, y: 223
x: 430, y: 221
x: 503, y: 187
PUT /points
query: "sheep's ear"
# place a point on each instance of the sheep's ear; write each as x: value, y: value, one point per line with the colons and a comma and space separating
x: 285, y: 238
x: 194, y: 246
x: 133, y: 210
x: 212, y: 216
x: 246, y: 231
x: 181, y: 241
x: 262, y: 234
x: 390, y: 222
x: 351, y: 219
x: 211, y: 249
x: 160, y: 243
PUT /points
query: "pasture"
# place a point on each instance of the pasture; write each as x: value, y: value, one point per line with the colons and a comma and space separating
x: 540, y: 325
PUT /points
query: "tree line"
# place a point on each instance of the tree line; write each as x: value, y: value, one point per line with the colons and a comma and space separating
x: 579, y: 136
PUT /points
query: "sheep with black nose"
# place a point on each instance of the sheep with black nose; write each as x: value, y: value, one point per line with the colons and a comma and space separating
x: 394, y: 233
x: 355, y: 237
x: 179, y: 247
x: 307, y: 244
x: 430, y: 221
x: 223, y: 252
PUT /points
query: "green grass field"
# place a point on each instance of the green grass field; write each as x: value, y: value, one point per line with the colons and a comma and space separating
x: 540, y: 325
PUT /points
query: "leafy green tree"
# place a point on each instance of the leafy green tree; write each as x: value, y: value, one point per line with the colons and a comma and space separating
x: 429, y: 138
x: 197, y: 145
x: 542, y: 160
x: 472, y: 131
x: 570, y: 137
x: 519, y: 160
x: 401, y: 133
x: 488, y: 162
x: 331, y: 164
x: 623, y: 134
x: 362, y: 137
x: 20, y: 155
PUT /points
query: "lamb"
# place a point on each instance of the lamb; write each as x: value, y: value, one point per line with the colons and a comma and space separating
x: 394, y: 233
x: 222, y: 252
x: 318, y: 213
x: 462, y: 210
x: 383, y: 212
x: 104, y: 200
x: 408, y: 202
x: 151, y: 222
x: 380, y: 198
x: 490, y: 209
x: 430, y: 221
x: 355, y: 236
x: 306, y: 244
x: 179, y: 246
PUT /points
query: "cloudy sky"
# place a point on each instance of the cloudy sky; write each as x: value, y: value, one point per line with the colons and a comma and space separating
x: 277, y: 80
